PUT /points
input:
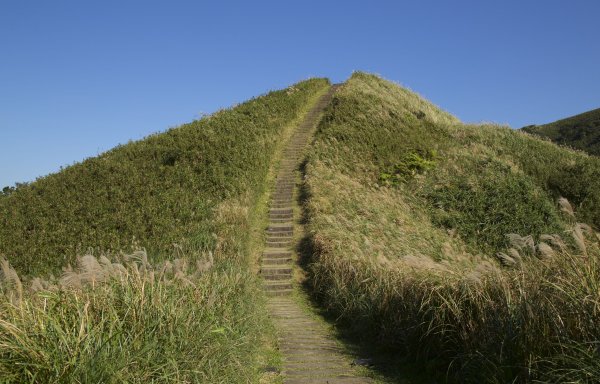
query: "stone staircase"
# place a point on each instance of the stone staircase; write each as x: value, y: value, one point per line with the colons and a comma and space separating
x: 310, y: 353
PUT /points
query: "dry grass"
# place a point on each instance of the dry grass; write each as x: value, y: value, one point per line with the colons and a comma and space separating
x: 471, y: 266
x: 122, y: 319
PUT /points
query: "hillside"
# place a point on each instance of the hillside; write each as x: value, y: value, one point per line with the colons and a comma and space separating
x: 469, y: 252
x: 446, y: 242
x: 170, y: 188
x: 580, y: 132
x: 138, y: 265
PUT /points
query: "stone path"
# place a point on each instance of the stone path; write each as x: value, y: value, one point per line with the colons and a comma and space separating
x: 310, y: 353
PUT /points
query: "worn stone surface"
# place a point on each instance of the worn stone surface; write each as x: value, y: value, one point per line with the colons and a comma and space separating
x: 310, y: 353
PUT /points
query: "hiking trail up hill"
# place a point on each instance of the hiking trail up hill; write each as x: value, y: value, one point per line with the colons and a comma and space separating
x: 310, y: 353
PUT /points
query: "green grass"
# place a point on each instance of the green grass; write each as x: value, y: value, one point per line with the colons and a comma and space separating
x: 134, y: 327
x: 162, y: 190
x: 409, y: 212
x: 187, y: 306
x: 580, y: 132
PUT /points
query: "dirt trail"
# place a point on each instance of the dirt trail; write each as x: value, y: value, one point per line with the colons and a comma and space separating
x: 310, y: 353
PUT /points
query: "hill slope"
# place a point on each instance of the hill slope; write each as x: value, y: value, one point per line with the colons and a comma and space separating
x: 581, y: 131
x: 167, y: 292
x: 445, y: 241
x: 168, y: 188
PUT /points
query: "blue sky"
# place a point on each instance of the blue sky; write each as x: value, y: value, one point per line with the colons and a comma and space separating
x: 77, y: 78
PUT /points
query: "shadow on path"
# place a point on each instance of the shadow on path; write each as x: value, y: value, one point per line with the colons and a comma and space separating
x: 387, y: 365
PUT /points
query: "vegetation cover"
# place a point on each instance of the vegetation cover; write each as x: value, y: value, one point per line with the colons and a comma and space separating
x: 461, y: 245
x: 135, y: 266
x: 165, y: 189
x: 580, y: 132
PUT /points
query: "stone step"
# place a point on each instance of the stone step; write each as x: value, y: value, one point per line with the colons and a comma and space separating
x: 280, y: 217
x: 280, y: 236
x: 335, y: 379
x: 281, y: 201
x: 317, y: 366
x: 277, y: 212
x: 277, y: 245
x: 278, y: 277
x: 278, y: 253
x: 287, y: 201
x: 274, y: 262
x: 280, y: 228
x: 280, y: 220
x: 280, y: 233
x: 298, y: 359
x: 276, y: 271
x: 267, y: 262
x: 281, y: 205
x: 280, y: 211
x: 318, y: 373
x: 278, y: 286
x: 309, y: 349
x: 288, y: 233
x: 279, y: 239
x: 280, y: 293
x: 282, y: 196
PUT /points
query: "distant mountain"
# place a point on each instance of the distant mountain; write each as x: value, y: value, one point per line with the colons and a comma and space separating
x: 581, y: 131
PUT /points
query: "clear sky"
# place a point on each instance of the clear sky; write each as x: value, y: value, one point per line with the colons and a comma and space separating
x: 79, y: 77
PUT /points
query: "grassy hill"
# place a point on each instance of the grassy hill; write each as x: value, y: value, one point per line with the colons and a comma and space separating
x: 580, y: 132
x: 453, y: 243
x: 146, y: 255
x: 471, y: 249
x: 169, y: 188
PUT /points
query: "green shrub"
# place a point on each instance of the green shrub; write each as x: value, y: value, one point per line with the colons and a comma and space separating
x: 483, y: 208
x: 410, y: 165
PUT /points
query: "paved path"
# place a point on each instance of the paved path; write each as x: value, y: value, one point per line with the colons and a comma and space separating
x: 310, y: 353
